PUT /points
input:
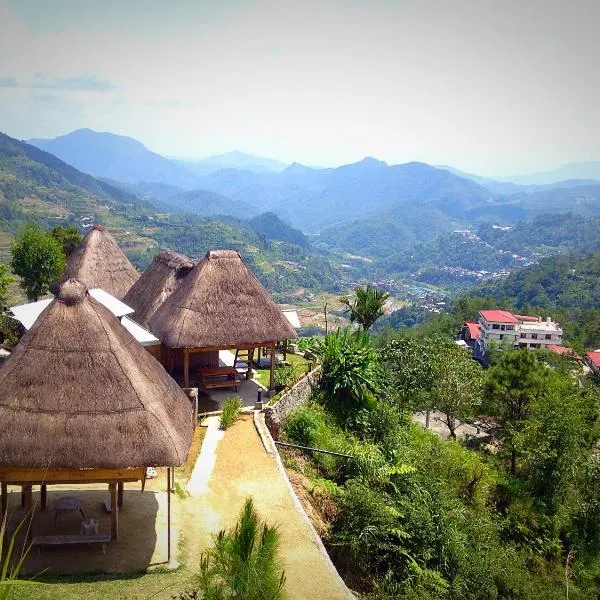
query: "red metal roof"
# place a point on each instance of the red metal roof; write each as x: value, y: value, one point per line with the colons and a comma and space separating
x: 562, y: 350
x: 498, y: 316
x: 594, y: 358
x: 474, y: 329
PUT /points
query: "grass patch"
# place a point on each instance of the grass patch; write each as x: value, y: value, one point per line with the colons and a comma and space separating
x: 185, y: 471
x: 231, y: 411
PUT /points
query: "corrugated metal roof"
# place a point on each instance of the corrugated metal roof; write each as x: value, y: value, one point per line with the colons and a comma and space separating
x: 292, y: 316
x: 143, y: 336
x: 116, y: 307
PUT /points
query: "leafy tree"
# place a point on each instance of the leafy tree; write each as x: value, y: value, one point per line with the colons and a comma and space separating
x: 366, y: 306
x: 512, y: 384
x: 457, y: 386
x: 68, y: 237
x: 351, y: 371
x: 38, y: 259
x: 243, y: 563
x: 5, y: 280
x: 409, y: 370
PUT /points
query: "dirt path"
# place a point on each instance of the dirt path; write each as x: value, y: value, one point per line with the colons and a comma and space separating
x: 243, y: 468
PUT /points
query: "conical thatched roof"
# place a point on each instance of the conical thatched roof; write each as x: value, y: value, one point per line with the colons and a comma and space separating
x: 157, y: 283
x: 79, y: 392
x: 100, y: 263
x: 220, y: 304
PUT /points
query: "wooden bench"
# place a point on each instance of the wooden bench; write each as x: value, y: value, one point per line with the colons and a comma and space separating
x: 66, y: 539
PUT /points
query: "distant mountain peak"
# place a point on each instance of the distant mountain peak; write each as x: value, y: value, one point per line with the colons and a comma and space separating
x: 371, y: 161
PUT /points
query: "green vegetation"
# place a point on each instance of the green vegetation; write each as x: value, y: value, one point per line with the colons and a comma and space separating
x: 68, y: 237
x: 10, y: 563
x: 366, y: 306
x: 243, y: 563
x: 5, y: 280
x: 415, y: 516
x: 230, y: 411
x: 38, y: 259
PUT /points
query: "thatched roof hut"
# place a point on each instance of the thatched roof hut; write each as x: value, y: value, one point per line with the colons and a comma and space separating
x: 79, y: 392
x: 220, y: 304
x: 157, y: 283
x: 100, y: 263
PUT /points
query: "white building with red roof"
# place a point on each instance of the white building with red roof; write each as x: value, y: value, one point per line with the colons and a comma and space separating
x: 522, y: 331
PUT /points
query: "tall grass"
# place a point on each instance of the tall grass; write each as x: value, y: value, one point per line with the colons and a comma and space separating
x: 11, y: 565
x: 230, y: 411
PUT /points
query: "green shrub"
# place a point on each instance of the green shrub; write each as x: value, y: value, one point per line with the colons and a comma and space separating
x: 230, y: 411
x: 285, y: 376
x: 302, y: 426
x: 243, y: 563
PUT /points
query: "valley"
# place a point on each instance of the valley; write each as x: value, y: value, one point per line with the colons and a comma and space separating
x: 419, y: 232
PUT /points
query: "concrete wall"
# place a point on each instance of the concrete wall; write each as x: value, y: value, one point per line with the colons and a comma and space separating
x: 294, y: 397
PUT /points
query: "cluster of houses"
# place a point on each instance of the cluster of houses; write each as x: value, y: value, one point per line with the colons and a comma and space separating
x: 497, y: 328
x: 93, y: 393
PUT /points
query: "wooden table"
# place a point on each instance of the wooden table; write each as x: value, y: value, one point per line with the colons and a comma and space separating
x: 217, y: 377
x: 67, y: 504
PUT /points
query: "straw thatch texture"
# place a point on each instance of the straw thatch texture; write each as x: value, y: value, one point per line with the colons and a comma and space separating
x: 100, y: 263
x: 220, y: 304
x: 156, y: 284
x: 79, y: 392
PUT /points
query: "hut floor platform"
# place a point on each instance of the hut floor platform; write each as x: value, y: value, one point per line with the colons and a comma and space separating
x: 142, y: 539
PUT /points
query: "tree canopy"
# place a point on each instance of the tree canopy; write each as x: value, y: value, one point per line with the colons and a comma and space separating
x: 38, y: 258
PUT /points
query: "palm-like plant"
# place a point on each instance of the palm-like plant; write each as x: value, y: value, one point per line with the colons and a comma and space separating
x: 351, y: 372
x: 243, y: 564
x: 366, y: 306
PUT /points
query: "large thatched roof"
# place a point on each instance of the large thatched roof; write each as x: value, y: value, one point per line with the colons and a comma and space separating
x: 100, y: 263
x: 157, y: 283
x: 79, y: 391
x: 220, y: 304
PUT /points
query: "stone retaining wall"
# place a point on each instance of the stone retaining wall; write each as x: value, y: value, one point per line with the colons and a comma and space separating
x: 294, y: 397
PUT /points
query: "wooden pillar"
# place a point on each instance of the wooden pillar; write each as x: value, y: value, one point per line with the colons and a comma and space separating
x: 186, y: 368
x: 4, y: 500
x: 43, y: 496
x: 285, y: 342
x: 250, y: 357
x: 27, y: 497
x: 272, y: 373
x: 120, y: 487
x: 114, y: 511
x: 168, y: 514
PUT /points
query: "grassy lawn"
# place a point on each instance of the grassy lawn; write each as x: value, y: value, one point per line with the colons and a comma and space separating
x: 301, y: 364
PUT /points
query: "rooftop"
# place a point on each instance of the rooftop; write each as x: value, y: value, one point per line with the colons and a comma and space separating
x: 498, y: 316
x: 594, y: 358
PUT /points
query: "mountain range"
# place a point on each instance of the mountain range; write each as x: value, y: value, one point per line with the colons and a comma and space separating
x: 368, y: 215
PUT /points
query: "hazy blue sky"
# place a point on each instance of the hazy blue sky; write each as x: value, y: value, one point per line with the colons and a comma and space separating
x: 495, y: 87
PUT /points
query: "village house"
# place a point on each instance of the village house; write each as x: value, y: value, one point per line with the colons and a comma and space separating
x: 502, y: 327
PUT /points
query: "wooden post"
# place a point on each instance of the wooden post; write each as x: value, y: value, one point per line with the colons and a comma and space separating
x: 285, y: 342
x: 114, y: 511
x: 250, y: 357
x: 4, y: 499
x: 28, y: 496
x: 43, y: 496
x: 168, y: 514
x: 120, y: 486
x: 186, y: 368
x: 272, y: 373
